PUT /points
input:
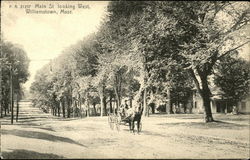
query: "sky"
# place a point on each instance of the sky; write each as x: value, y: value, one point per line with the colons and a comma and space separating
x: 45, y: 36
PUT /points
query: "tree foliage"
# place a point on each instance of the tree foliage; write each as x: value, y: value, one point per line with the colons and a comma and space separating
x: 151, y: 51
x: 14, y: 65
x: 233, y: 77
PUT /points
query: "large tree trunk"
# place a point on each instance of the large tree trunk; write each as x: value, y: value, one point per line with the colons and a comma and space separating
x: 95, y: 109
x: 185, y: 107
x: 169, y: 107
x: 116, y: 106
x: 118, y: 97
x: 58, y: 106
x: 55, y: 109
x: 117, y: 88
x: 145, y: 106
x: 68, y: 107
x: 80, y: 104
x: 73, y: 107
x: 63, y: 107
x: 87, y: 105
x: 206, y: 100
x: 52, y: 111
x: 226, y: 109
x: 1, y: 112
x: 9, y: 105
x: 204, y: 93
x: 17, y: 106
x: 152, y: 105
x: 207, y: 109
x: 9, y: 108
x: 101, y: 94
x: 131, y: 101
x: 104, y: 106
x: 110, y: 102
x: 5, y: 107
x: 11, y: 96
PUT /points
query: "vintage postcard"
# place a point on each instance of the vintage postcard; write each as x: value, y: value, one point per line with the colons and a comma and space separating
x: 124, y: 79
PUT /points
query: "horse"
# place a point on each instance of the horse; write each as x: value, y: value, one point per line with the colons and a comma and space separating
x: 136, y: 116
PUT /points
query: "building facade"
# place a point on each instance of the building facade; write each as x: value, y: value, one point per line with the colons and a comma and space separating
x: 221, y: 105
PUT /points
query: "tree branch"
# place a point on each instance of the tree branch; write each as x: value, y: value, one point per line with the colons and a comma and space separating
x: 234, y: 9
x: 218, y: 8
x: 197, y: 84
x: 227, y: 52
x: 240, y: 19
x: 214, y: 58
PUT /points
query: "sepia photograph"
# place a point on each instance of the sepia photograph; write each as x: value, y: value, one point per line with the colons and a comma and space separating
x: 124, y: 79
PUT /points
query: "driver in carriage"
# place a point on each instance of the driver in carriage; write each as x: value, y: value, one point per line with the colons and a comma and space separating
x: 127, y: 111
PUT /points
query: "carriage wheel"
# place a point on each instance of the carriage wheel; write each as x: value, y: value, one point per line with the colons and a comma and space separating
x: 118, y: 126
x: 111, y: 125
x: 117, y: 123
x: 140, y: 127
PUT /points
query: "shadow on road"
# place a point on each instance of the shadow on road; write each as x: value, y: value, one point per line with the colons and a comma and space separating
x: 31, y: 118
x: 38, y: 127
x: 38, y: 135
x: 203, y: 125
x: 152, y: 134
x: 26, y: 154
x: 34, y: 121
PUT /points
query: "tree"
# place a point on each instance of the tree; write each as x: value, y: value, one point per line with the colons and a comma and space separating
x: 14, y: 71
x: 86, y: 54
x: 181, y: 86
x: 61, y: 86
x: 41, y: 90
x: 119, y: 33
x: 233, y: 77
x: 211, y: 39
x: 195, y: 35
x: 53, y: 86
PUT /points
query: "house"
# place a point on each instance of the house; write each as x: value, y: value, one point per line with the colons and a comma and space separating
x: 219, y: 104
x: 244, y: 105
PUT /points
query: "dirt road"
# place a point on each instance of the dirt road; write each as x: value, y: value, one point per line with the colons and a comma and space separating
x: 39, y: 135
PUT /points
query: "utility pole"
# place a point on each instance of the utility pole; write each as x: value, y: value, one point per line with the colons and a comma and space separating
x: 1, y: 102
x: 11, y: 93
x: 17, y: 101
x: 1, y: 66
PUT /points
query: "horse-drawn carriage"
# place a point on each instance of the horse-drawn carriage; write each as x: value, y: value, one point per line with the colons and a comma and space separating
x: 121, y: 118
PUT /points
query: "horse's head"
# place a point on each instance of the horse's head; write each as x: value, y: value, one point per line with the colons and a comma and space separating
x: 138, y: 109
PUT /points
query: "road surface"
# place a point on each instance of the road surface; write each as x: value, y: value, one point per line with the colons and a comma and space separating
x: 40, y: 135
